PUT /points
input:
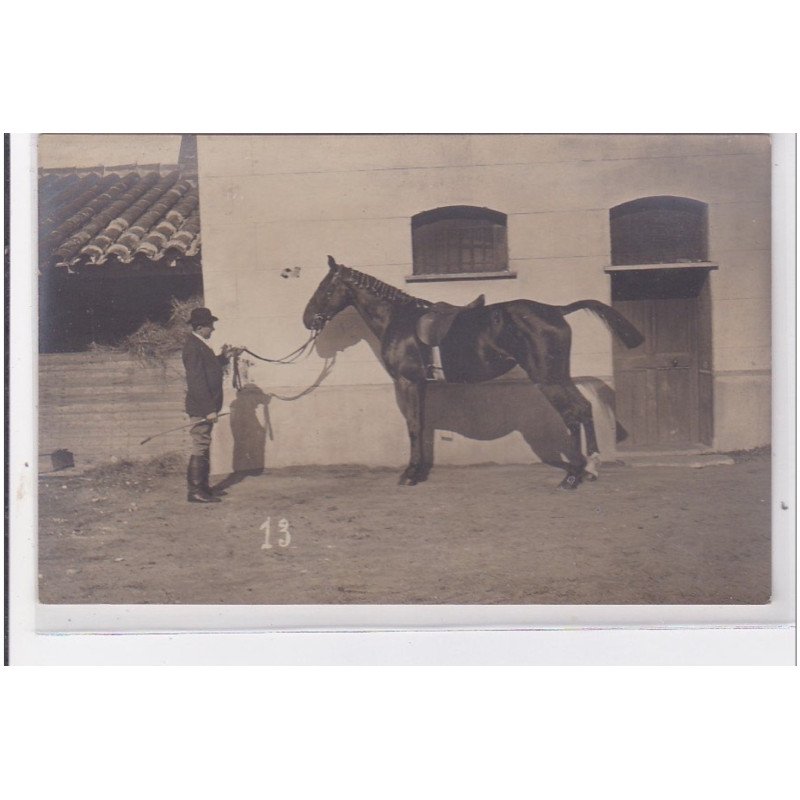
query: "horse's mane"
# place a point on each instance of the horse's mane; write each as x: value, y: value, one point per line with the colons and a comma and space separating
x: 380, y: 289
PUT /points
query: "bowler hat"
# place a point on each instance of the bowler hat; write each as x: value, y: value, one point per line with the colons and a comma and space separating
x: 201, y: 316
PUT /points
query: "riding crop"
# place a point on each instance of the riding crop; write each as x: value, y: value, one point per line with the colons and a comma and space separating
x: 179, y: 428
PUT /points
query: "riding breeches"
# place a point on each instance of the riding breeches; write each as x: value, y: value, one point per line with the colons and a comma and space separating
x: 200, y: 433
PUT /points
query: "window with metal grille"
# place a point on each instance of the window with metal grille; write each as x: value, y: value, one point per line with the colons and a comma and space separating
x: 459, y: 240
x: 659, y: 230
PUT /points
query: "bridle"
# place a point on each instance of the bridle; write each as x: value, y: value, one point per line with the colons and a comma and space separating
x: 320, y: 319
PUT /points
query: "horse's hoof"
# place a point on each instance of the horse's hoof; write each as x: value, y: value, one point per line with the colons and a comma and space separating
x: 407, y: 480
x: 592, y: 469
x: 570, y: 483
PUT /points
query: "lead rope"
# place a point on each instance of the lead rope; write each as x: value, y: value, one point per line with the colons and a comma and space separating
x: 326, y: 370
x: 292, y: 358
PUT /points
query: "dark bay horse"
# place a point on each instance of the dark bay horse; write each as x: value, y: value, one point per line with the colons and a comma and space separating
x: 482, y: 343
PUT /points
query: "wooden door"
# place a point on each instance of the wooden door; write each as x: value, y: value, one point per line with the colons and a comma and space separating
x: 658, y: 386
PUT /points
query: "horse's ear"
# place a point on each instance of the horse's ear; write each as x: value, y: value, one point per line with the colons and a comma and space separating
x: 331, y: 263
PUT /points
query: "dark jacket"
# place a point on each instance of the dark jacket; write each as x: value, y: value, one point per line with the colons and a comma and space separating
x: 203, y: 377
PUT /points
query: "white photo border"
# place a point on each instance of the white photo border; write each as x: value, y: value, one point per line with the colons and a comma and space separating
x: 243, y: 634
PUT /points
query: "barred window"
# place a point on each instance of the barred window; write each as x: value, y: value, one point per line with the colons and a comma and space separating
x: 659, y: 230
x: 457, y: 240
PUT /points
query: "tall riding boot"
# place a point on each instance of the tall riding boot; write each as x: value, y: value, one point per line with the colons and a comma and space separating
x: 196, y: 477
x: 206, y: 472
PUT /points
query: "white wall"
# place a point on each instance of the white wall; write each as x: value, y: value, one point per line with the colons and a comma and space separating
x: 269, y: 202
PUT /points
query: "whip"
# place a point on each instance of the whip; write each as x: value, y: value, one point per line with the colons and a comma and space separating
x: 306, y: 348
x: 179, y: 428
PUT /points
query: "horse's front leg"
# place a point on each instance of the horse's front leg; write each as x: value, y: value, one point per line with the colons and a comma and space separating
x: 412, y: 398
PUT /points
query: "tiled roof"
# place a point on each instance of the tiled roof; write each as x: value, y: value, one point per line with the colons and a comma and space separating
x: 118, y: 216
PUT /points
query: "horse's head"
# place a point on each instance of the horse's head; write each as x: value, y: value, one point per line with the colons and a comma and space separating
x: 331, y: 297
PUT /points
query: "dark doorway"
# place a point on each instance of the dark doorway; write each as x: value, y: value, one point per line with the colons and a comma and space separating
x: 76, y: 311
x: 664, y: 386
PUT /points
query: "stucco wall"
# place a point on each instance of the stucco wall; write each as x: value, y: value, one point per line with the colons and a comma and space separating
x: 270, y: 202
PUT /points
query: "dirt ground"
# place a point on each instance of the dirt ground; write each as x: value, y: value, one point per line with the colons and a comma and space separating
x: 470, y: 535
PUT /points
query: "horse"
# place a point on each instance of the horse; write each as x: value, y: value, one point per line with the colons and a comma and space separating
x: 479, y: 342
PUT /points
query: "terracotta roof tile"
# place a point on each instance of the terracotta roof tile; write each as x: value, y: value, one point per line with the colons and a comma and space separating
x: 187, y: 240
x: 97, y: 218
x: 114, y: 187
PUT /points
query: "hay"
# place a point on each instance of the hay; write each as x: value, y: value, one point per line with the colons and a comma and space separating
x: 154, y: 343
x: 182, y: 310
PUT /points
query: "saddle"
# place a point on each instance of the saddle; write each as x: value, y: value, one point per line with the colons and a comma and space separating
x: 434, y: 324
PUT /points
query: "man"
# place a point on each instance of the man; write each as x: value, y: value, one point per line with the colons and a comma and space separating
x: 203, y: 399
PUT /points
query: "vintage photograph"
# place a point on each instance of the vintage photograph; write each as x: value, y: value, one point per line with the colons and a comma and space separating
x: 390, y: 369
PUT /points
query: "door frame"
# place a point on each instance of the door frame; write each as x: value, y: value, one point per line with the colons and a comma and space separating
x: 702, y: 394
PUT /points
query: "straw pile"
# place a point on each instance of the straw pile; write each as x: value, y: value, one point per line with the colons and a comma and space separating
x: 154, y: 343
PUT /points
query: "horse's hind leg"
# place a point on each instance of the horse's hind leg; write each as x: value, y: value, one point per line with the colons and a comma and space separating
x: 541, y: 347
x: 570, y: 411
x: 584, y: 410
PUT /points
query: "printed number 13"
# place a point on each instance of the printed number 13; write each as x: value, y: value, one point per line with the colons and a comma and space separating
x: 283, y: 527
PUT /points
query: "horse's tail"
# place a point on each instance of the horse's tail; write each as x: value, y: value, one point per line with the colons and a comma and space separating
x: 628, y: 333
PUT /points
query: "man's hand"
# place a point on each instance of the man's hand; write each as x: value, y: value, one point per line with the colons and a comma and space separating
x: 212, y: 417
x: 229, y: 350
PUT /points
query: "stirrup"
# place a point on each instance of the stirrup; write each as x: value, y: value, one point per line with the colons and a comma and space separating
x: 435, y: 371
x: 434, y: 374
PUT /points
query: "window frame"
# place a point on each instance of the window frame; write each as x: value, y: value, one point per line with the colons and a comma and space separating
x: 626, y: 251
x: 434, y: 224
